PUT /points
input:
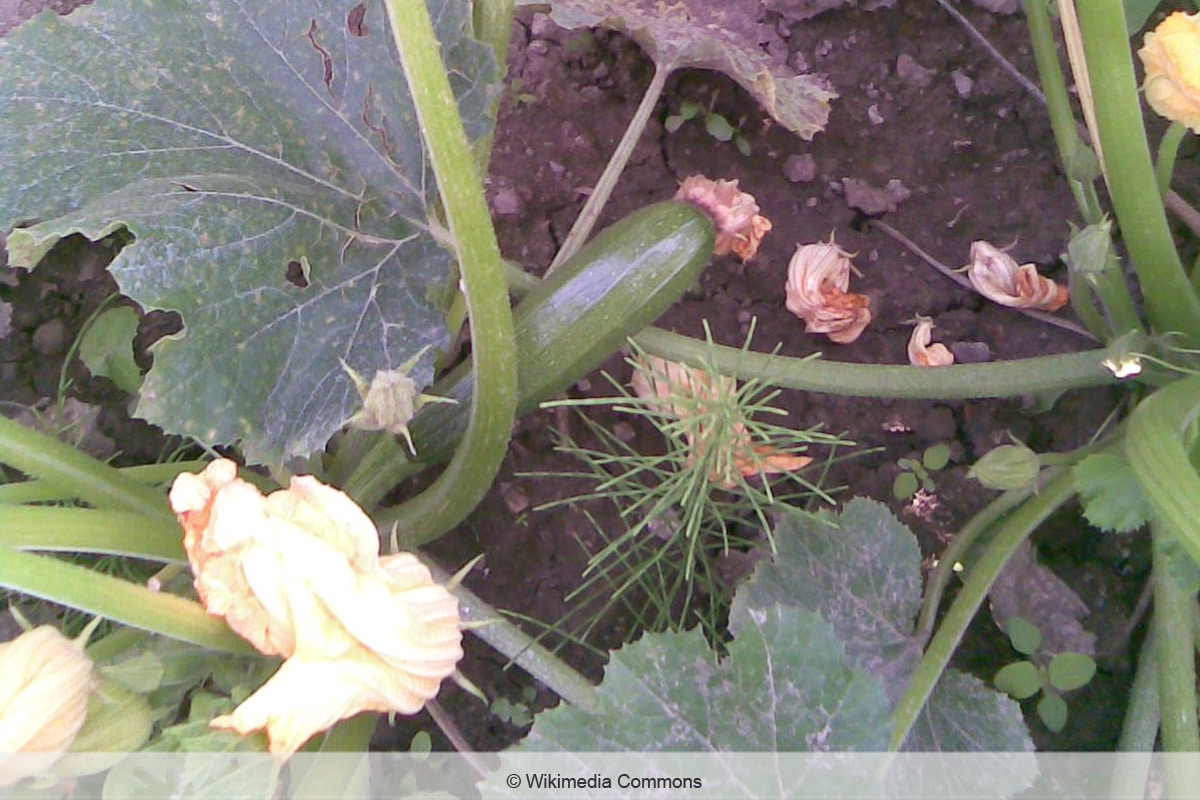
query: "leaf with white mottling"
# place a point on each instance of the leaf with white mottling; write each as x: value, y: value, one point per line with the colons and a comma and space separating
x: 860, y: 570
x: 964, y: 714
x: 268, y: 160
x: 784, y: 686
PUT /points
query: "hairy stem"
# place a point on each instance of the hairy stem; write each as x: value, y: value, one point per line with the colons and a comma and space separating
x: 470, y: 473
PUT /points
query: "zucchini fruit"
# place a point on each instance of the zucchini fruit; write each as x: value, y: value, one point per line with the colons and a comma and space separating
x: 617, y: 284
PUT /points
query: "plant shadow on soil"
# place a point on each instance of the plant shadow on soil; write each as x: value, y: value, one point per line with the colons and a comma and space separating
x: 976, y: 156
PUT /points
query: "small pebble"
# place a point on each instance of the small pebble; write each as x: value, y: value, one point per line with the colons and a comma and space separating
x: 971, y: 352
x: 962, y: 83
x: 507, y: 203
x: 873, y: 114
x: 912, y: 73
x: 51, y: 338
x: 624, y: 432
x: 800, y: 168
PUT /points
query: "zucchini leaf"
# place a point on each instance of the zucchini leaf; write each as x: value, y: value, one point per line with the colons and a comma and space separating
x: 267, y: 159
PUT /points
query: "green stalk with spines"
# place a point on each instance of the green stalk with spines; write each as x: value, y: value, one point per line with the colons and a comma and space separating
x: 471, y: 471
x: 1005, y: 537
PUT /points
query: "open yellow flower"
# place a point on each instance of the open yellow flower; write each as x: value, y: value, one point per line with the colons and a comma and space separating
x: 45, y: 680
x: 298, y: 574
x: 817, y: 292
x: 1171, y: 55
x: 688, y: 392
x: 740, y: 228
x: 996, y: 275
x: 924, y: 354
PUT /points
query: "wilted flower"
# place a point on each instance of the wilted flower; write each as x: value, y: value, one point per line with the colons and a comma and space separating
x: 740, y: 228
x: 1171, y: 56
x: 921, y: 352
x: 298, y: 574
x: 45, y: 680
x: 996, y: 276
x: 817, y: 284
x: 692, y: 393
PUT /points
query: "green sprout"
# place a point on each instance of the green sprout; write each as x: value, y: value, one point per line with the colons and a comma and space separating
x: 716, y: 125
x: 915, y: 474
x: 1053, y: 676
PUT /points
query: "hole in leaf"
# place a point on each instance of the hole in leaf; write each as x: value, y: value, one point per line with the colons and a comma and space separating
x: 297, y: 273
x: 355, y: 21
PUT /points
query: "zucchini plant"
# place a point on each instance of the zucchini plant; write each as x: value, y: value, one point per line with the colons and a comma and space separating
x: 303, y: 185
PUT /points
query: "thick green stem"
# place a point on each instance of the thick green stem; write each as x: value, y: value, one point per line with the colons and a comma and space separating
x: 121, y: 601
x: 492, y: 23
x: 956, y: 382
x: 89, y: 530
x: 612, y: 171
x: 1140, y: 728
x: 70, y: 473
x: 470, y: 473
x: 1171, y: 303
x: 1176, y: 652
x: 935, y: 587
x: 1015, y: 529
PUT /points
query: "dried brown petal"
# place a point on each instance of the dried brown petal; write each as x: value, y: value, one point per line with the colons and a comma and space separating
x: 817, y: 284
x: 921, y: 352
x: 996, y: 275
x: 740, y: 228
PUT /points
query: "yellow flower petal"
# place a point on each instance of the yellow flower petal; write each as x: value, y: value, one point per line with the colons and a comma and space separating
x: 298, y: 573
x: 1171, y: 57
x: 45, y: 680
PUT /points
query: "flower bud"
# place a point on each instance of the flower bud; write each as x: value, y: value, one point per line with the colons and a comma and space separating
x: 1171, y: 55
x: 45, y: 680
x: 1009, y: 466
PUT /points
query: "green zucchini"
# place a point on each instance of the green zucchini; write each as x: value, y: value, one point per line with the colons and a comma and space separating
x: 617, y: 284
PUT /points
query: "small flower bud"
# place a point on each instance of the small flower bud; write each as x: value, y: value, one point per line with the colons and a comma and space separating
x: 1009, y: 466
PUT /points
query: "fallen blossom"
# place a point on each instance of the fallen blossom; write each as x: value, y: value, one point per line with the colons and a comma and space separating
x: 921, y: 352
x: 1171, y: 56
x: 688, y: 392
x: 298, y: 574
x: 817, y: 292
x: 740, y: 228
x: 996, y: 275
x: 45, y: 682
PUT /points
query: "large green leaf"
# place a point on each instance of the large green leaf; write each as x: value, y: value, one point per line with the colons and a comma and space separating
x: 252, y: 148
x: 861, y: 571
x: 716, y: 36
x: 784, y: 686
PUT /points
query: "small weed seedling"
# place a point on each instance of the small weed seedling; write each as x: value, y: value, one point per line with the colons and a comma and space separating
x: 717, y: 126
x: 516, y: 712
x: 915, y: 474
x: 1053, y: 676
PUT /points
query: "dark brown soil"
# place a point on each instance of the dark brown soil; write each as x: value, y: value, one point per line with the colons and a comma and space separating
x: 976, y: 154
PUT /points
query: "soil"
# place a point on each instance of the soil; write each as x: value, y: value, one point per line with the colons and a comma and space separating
x: 975, y: 154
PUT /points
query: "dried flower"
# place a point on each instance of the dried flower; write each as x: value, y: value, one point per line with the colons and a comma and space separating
x: 740, y: 228
x: 921, y: 352
x: 1171, y: 56
x: 688, y: 392
x: 996, y: 276
x: 298, y: 574
x: 817, y: 284
x: 45, y: 681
